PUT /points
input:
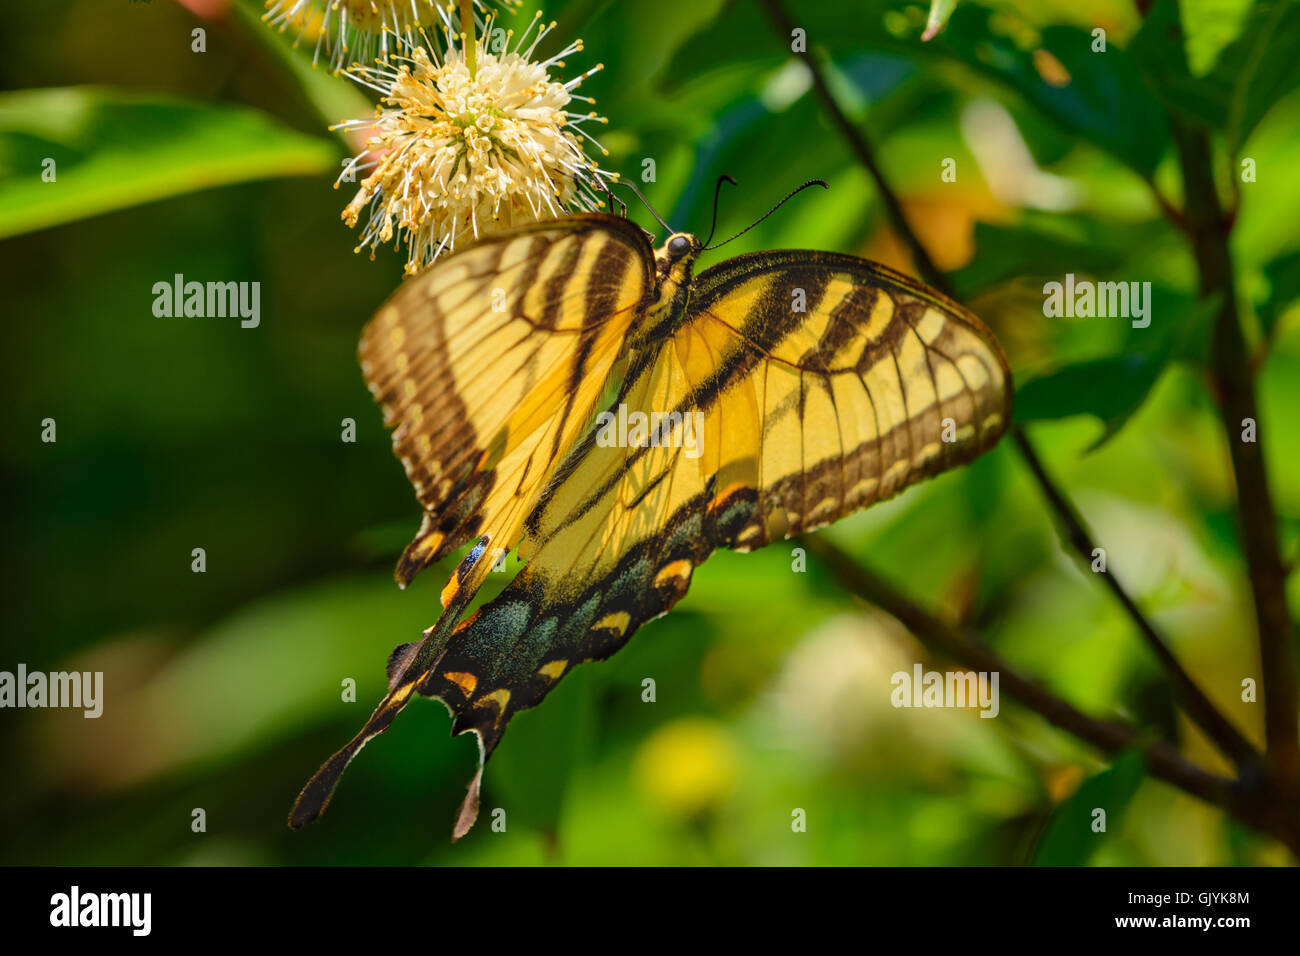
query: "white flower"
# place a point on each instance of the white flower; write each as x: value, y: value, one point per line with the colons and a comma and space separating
x: 350, y: 31
x: 466, y: 147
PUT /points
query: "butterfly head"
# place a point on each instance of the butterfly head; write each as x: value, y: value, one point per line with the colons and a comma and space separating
x: 680, y: 246
x: 674, y: 258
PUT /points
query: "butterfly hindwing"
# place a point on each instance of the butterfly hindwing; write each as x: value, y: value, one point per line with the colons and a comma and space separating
x: 800, y: 387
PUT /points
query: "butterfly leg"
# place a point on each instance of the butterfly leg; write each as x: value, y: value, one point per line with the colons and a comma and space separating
x: 614, y: 199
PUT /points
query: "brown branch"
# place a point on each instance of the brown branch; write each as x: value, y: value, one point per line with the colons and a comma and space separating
x: 1230, y: 365
x: 1230, y: 740
x: 1172, y: 212
x: 1201, y: 709
x: 1259, y: 809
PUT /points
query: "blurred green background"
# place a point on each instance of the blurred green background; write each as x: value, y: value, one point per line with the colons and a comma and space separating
x: 223, y: 689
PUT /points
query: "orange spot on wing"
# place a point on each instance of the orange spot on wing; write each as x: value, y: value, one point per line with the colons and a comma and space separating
x: 450, y: 591
x: 674, y: 569
x: 726, y: 493
x: 465, y: 681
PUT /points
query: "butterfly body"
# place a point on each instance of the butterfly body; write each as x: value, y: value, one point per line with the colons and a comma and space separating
x: 822, y: 383
x: 665, y: 311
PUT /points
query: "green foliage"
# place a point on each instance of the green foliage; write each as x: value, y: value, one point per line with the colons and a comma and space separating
x: 1253, y: 72
x: 1070, y: 839
x: 1113, y: 387
x: 1110, y: 388
x: 113, y: 149
x: 1283, y: 276
x: 772, y: 685
x: 1037, y: 245
x: 1110, y: 108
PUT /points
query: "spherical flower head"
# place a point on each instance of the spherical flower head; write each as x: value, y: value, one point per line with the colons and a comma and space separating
x: 462, y: 153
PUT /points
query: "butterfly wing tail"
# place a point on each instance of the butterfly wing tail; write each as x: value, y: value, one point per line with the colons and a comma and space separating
x: 468, y: 812
x: 315, y: 796
x: 408, y: 666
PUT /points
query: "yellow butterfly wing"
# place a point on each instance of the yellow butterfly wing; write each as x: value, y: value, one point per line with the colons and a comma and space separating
x: 823, y: 383
x: 488, y: 367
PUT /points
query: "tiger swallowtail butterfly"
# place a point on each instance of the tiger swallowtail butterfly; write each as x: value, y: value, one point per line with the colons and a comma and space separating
x: 824, y: 383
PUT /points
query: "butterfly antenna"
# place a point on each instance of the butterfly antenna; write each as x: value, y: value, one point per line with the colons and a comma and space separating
x: 632, y: 186
x: 812, y: 182
x: 717, y: 192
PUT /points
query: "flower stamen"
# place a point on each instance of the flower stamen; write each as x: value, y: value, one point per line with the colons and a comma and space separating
x: 456, y: 155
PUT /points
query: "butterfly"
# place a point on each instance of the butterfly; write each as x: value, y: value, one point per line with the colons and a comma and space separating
x: 789, y: 388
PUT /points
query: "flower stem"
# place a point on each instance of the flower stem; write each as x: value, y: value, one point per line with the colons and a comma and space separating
x: 467, y: 37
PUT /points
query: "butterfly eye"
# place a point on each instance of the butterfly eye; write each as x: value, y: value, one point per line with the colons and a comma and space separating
x: 679, y: 245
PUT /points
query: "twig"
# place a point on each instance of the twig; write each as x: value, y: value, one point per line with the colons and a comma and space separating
x: 1162, y: 760
x: 866, y: 155
x: 1231, y: 741
x: 1230, y: 365
x: 1172, y: 212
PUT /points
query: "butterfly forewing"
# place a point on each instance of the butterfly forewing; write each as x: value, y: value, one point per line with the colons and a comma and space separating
x: 488, y: 366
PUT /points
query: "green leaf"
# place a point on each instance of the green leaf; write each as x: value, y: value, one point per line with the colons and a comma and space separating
x: 1253, y: 72
x: 1111, y: 388
x: 531, y: 770
x: 1104, y: 98
x: 113, y: 148
x: 1284, y: 288
x: 1185, y: 337
x: 1211, y: 25
x: 1160, y: 49
x: 1038, y: 244
x: 1259, y: 68
x: 1069, y: 839
x: 334, y: 97
x: 661, y: 28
